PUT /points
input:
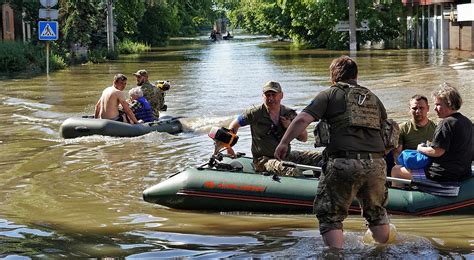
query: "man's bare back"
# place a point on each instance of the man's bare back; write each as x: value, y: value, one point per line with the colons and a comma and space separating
x: 109, y: 103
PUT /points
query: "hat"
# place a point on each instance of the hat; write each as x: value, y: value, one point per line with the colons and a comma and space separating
x: 272, y: 86
x: 141, y: 73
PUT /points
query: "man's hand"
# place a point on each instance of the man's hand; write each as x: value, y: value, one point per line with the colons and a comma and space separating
x: 285, y: 121
x: 281, y: 151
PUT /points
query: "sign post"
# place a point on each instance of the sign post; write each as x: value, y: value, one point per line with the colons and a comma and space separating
x: 48, y: 30
x: 352, y: 27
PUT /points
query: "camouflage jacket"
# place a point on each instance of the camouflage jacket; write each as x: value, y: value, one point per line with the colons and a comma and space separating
x: 154, y: 96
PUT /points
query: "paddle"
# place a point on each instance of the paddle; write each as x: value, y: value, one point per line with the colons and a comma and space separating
x: 435, y: 188
x: 432, y: 187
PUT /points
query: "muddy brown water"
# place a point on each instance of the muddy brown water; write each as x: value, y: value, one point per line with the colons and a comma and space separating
x: 82, y: 197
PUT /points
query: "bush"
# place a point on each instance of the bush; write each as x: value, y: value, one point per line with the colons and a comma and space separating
x: 15, y: 56
x: 128, y: 47
x: 101, y: 55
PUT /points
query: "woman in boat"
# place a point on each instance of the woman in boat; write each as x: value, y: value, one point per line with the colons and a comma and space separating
x: 140, y: 106
x: 451, y: 149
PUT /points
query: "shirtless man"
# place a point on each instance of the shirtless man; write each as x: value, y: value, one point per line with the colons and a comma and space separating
x: 108, y: 105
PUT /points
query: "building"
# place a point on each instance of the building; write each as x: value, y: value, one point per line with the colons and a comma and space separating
x: 435, y: 24
x: 13, y: 26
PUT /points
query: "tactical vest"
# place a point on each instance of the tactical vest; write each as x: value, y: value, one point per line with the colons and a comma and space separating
x: 144, y: 113
x: 362, y: 109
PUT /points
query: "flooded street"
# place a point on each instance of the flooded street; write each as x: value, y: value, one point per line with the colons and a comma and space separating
x: 83, y: 197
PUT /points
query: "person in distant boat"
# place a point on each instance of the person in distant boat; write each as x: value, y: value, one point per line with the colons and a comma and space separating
x: 227, y: 36
x: 419, y: 129
x: 108, y: 105
x: 451, y: 149
x: 354, y: 164
x: 213, y: 35
x: 139, y: 105
x: 268, y: 122
x: 155, y: 96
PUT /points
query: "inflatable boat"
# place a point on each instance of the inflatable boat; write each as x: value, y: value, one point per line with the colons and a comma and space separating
x: 84, y: 126
x: 233, y: 185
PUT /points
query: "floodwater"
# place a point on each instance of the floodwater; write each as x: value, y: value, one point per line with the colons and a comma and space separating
x: 82, y: 197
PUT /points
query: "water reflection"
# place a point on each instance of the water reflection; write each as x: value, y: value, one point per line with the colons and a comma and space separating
x: 82, y: 197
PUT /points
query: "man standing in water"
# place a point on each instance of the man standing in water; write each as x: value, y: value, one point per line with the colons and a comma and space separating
x: 108, y: 105
x: 355, y: 165
x: 155, y: 96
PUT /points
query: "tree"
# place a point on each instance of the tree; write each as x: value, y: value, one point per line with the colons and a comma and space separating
x: 128, y: 21
x: 312, y: 21
x: 80, y: 20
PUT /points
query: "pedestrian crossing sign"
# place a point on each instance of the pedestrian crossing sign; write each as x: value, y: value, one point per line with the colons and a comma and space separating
x: 48, y: 30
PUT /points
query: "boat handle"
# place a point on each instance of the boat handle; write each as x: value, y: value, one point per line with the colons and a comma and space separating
x: 81, y: 128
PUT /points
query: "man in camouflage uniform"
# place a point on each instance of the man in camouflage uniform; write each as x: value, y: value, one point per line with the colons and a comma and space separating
x: 155, y: 96
x: 268, y: 123
x: 355, y: 165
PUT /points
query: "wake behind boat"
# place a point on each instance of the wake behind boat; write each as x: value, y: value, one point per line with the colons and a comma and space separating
x: 85, y: 126
x: 233, y: 185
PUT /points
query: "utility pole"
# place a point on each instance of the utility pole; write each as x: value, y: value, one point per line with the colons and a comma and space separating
x: 110, y: 26
x: 352, y: 26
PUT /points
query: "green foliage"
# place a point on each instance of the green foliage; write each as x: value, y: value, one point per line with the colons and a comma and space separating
x: 15, y: 56
x: 159, y: 22
x: 128, y: 14
x: 128, y: 47
x: 81, y: 20
x: 312, y: 22
x: 82, y: 23
x: 97, y: 55
x: 193, y: 14
x: 56, y: 62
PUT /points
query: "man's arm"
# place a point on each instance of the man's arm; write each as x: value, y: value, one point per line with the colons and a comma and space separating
x: 297, y: 126
x: 303, y: 137
x: 127, y: 110
x: 97, y: 109
x: 396, y: 152
x: 430, y: 151
x: 234, y: 125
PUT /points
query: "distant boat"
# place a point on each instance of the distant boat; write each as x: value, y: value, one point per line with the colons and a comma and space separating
x: 227, y: 36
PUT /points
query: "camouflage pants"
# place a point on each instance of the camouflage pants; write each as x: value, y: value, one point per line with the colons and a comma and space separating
x: 265, y: 164
x: 345, y: 179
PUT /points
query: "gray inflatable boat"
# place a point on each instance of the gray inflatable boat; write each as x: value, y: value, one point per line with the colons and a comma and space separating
x: 84, y: 126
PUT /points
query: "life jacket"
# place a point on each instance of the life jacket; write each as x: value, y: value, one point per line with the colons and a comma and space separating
x: 145, y: 113
x: 362, y: 109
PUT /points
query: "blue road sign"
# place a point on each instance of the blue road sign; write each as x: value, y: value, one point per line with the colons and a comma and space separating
x: 48, y: 30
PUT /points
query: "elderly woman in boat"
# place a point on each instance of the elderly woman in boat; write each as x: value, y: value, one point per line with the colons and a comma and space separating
x: 140, y: 106
x: 451, y: 149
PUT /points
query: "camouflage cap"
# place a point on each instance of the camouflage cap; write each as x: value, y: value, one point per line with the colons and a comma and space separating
x: 141, y: 73
x: 272, y: 86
